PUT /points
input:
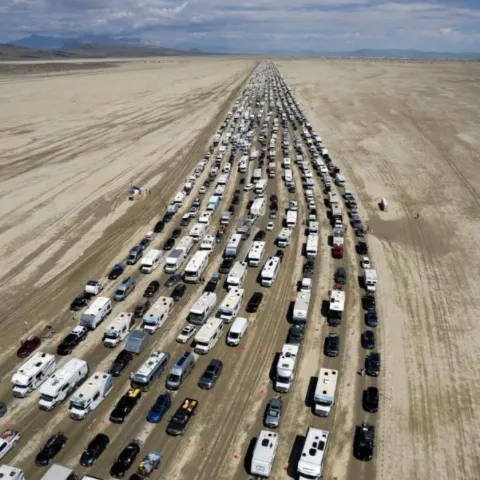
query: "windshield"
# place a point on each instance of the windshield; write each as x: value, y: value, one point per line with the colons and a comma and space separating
x: 208, y: 375
x: 196, y: 317
x: 78, y: 407
x: 111, y: 334
x: 324, y: 403
x: 273, y: 412
x: 283, y: 379
x: 233, y: 335
x: 47, y: 398
x: 173, y: 378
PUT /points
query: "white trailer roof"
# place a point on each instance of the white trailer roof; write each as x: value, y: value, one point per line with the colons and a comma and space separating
x: 314, y: 450
x: 159, y: 308
x: 288, y: 358
x: 31, y: 367
x: 257, y: 250
x: 270, y: 267
x: 197, y: 260
x: 119, y: 321
x: 53, y: 384
x: 206, y: 299
x: 150, y: 364
x: 265, y: 447
x: 208, y: 330
x: 337, y: 300
x: 91, y: 386
x: 96, y: 306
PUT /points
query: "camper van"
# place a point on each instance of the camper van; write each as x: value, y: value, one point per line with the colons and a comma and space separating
x: 255, y: 254
x: 180, y: 371
x: 196, y: 266
x: 151, y: 260
x: 33, y: 373
x: 96, y: 313
x: 150, y: 370
x: 300, y: 308
x: 336, y: 307
x: 312, y: 246
x: 208, y: 335
x: 324, y: 397
x: 233, y: 246
x: 197, y: 232
x: 237, y: 331
x: 175, y: 260
x: 286, y: 368
x: 62, y: 383
x: 90, y: 395
x: 310, y: 465
x: 291, y: 221
x: 284, y: 237
x: 270, y: 271
x: 202, y: 308
x: 231, y: 304
x: 118, y: 330
x: 261, y: 186
x: 370, y: 279
x: 158, y: 314
x: 264, y: 454
x: 237, y: 274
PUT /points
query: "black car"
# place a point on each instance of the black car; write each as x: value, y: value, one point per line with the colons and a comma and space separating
x: 368, y: 301
x: 212, y: 283
x: 116, y: 271
x: 176, y: 233
x: 231, y: 208
x: 341, y: 276
x: 173, y: 280
x: 159, y: 226
x: 372, y: 364
x: 370, y: 399
x: 120, y: 363
x: 72, y: 340
x: 125, y: 405
x: 94, y: 449
x: 254, y: 302
x: 185, y: 221
x: 249, y: 204
x: 332, y: 345
x: 210, y: 375
x: 371, y: 318
x: 259, y: 236
x: 296, y: 334
x: 292, y: 189
x: 368, y: 339
x: 280, y: 255
x: 125, y: 459
x: 144, y: 244
x: 53, y: 445
x: 168, y: 217
x: 364, y: 442
x: 141, y: 308
x: 226, y: 265
x: 235, y: 201
x: 274, y: 198
x: 152, y: 289
x: 178, y: 423
x: 308, y: 268
x: 169, y: 244
x: 242, y: 181
x: 80, y: 301
x: 178, y: 292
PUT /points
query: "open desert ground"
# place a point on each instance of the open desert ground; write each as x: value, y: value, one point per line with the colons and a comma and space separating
x: 73, y: 141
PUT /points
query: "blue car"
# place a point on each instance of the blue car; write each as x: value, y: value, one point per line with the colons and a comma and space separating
x: 159, y: 409
x: 371, y: 318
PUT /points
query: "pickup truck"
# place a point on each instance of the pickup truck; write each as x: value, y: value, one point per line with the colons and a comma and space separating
x: 93, y: 287
x: 8, y: 440
x: 178, y: 423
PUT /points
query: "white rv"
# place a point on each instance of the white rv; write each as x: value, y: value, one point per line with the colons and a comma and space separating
x: 255, y: 254
x: 118, y: 330
x: 151, y: 260
x: 206, y: 216
x: 197, y: 232
x: 62, y: 383
x: 231, y: 304
x: 324, y: 397
x: 370, y: 279
x: 175, y: 260
x: 219, y: 192
x: 237, y: 274
x: 89, y: 396
x: 336, y: 307
x: 257, y: 174
x: 286, y: 366
x: 261, y: 186
x: 312, y: 246
x: 284, y: 237
x: 196, y: 266
x: 158, y: 314
x: 291, y: 218
x: 33, y: 373
x: 300, y: 308
x: 96, y: 313
x: 8, y: 472
x: 313, y: 227
x: 223, y: 179
x: 208, y: 244
x: 264, y: 454
x: 150, y: 370
x: 233, y: 245
x: 333, y: 199
x: 270, y: 271
x: 258, y: 207
x: 202, y: 308
x: 179, y: 198
x: 310, y: 465
x: 208, y: 335
x: 242, y: 166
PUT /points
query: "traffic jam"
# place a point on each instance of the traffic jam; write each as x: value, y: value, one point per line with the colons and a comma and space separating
x: 223, y: 254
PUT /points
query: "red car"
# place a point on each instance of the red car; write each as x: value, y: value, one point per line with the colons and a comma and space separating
x: 337, y: 252
x: 28, y: 346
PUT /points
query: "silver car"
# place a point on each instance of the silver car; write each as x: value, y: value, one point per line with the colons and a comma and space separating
x: 273, y: 413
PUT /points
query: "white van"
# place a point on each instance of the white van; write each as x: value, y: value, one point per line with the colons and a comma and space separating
x: 237, y: 331
x: 264, y: 454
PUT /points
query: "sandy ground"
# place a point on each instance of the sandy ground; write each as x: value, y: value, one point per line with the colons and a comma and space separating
x: 409, y: 132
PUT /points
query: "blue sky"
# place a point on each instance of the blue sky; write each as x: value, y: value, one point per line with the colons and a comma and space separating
x: 257, y: 26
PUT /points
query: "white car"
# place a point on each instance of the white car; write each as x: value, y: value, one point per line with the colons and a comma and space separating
x: 365, y: 263
x: 8, y: 441
x: 202, y: 190
x: 248, y: 187
x: 270, y: 226
x: 186, y: 334
x: 193, y: 212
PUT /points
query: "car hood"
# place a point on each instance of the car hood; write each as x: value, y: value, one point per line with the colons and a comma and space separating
x: 23, y: 352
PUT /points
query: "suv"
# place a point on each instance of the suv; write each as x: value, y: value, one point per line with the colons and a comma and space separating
x: 254, y: 302
x: 296, y: 333
x: 210, y: 376
x: 159, y: 408
x: 362, y: 248
x: 125, y: 288
x: 341, y: 276
x: 364, y: 442
x: 152, y: 289
x: 120, y: 363
x: 332, y: 345
x: 372, y: 364
x: 213, y: 282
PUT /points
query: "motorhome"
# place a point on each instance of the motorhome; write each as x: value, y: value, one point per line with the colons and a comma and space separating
x: 179, y: 198
x: 208, y: 243
x: 242, y: 166
x: 336, y: 307
x: 96, y: 313
x: 150, y: 370
x: 258, y: 207
x: 261, y: 186
x: 370, y: 279
x: 263, y: 456
x: 158, y: 314
x: 233, y: 246
x: 237, y: 274
x: 284, y: 237
x: 237, y: 331
x: 223, y: 179
x: 312, y: 246
x: 205, y: 218
x: 324, y: 397
x: 288, y: 177
x: 118, y: 330
x: 257, y: 175
x: 208, y: 335
x: 255, y: 254
x: 202, y: 308
x: 196, y: 266
x: 89, y: 396
x: 231, y: 304
x: 312, y: 458
x: 33, y: 373
x: 175, y: 260
x: 286, y: 367
x: 336, y: 212
x: 213, y: 203
x: 213, y: 172
x: 333, y: 199
x: 287, y: 163
x: 270, y: 271
x: 62, y: 383
x: 197, y: 232
x: 300, y: 308
x: 313, y: 227
x: 291, y: 218
x: 59, y: 472
x: 151, y: 260
x: 271, y: 170
x: 8, y: 472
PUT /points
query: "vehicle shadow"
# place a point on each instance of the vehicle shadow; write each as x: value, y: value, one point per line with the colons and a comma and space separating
x: 295, y: 455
